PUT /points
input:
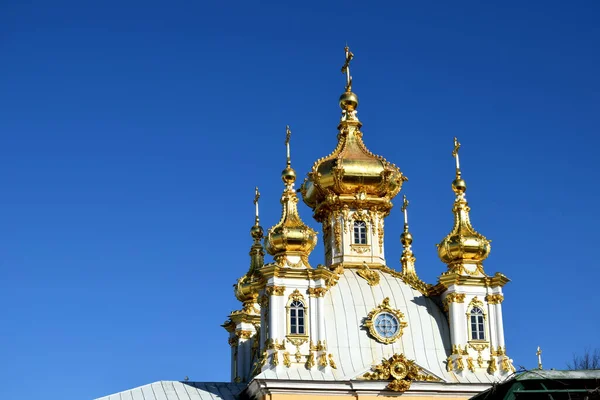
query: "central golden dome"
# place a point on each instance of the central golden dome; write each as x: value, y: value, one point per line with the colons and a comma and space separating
x: 351, y: 172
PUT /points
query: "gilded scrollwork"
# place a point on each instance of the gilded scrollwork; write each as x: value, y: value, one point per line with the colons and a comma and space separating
x: 494, y: 298
x: 322, y: 361
x: 360, y: 248
x: 401, y: 371
x: 492, y: 366
x: 371, y: 276
x: 244, y: 334
x: 317, y: 292
x: 453, y: 298
x: 310, y: 360
x: 275, y: 290
x: 296, y: 295
x: 332, y: 362
x: 337, y: 235
x: 286, y: 359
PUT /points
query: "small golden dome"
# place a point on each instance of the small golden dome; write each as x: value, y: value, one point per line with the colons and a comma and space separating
x: 290, y: 236
x: 464, y: 243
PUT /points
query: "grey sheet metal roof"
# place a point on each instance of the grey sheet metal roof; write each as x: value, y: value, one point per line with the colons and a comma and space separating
x: 175, y: 390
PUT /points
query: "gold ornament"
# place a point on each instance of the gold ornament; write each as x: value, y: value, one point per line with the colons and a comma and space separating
x: 400, y: 371
x: 371, y: 276
x: 331, y: 362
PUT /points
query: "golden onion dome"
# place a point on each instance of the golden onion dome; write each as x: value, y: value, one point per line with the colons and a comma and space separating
x: 351, y: 174
x: 463, y: 244
x: 351, y: 171
x: 290, y: 241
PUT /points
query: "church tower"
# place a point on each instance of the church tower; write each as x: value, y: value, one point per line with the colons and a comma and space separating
x: 351, y: 191
x: 356, y: 318
x: 472, y: 299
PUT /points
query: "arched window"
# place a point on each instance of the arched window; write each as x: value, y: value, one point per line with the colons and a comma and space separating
x: 360, y: 232
x: 477, y: 325
x: 297, y: 325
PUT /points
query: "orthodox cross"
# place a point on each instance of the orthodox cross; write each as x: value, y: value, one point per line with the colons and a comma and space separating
x: 455, y: 155
x: 539, y: 354
x: 404, y: 210
x: 256, y: 197
x: 288, y: 135
x: 346, y: 69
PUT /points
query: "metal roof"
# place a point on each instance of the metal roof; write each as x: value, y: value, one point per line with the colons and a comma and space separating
x: 175, y: 390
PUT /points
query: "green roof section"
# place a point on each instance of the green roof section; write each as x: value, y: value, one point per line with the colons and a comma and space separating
x: 546, y: 385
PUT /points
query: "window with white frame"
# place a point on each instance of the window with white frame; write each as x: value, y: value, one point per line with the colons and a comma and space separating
x: 477, y: 324
x: 360, y: 232
x: 297, y: 316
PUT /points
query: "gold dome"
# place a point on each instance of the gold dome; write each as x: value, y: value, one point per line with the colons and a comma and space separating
x: 463, y: 244
x: 351, y: 175
x: 290, y: 237
x: 351, y: 172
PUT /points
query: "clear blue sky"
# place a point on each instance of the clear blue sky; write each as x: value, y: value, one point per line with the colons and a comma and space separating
x: 133, y: 134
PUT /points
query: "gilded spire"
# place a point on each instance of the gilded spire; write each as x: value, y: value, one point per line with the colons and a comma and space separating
x: 408, y: 259
x: 348, y: 99
x: 463, y: 245
x: 290, y: 241
x: 257, y: 255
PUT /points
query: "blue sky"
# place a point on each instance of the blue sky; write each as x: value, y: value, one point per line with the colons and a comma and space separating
x: 133, y: 134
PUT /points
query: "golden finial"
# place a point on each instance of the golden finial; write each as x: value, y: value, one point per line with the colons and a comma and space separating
x: 288, y: 135
x: 405, y: 211
x: 256, y: 231
x: 256, y: 197
x: 455, y: 155
x: 288, y: 174
x: 458, y: 185
x: 346, y: 68
x: 406, y: 238
x: 539, y: 354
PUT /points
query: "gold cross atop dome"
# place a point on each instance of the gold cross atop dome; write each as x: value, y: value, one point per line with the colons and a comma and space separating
x: 346, y: 68
x: 455, y: 155
x: 288, y: 135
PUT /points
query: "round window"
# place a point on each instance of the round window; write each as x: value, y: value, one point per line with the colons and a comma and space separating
x: 387, y: 325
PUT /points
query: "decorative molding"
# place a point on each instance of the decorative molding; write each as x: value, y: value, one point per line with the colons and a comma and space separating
x: 453, y: 298
x: 475, y: 302
x: 317, y: 292
x: 296, y: 295
x: 494, y: 298
x: 275, y: 290
x: 286, y: 359
x: 310, y: 360
x: 331, y: 362
x: 244, y: 334
x: 360, y: 248
x: 400, y: 371
x: 385, y: 308
x: 371, y: 276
